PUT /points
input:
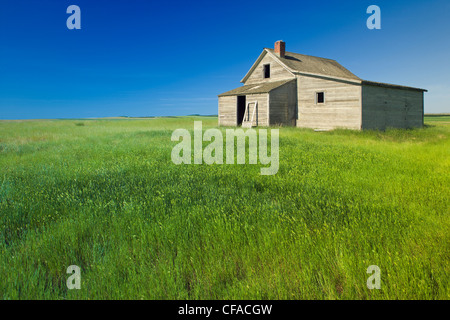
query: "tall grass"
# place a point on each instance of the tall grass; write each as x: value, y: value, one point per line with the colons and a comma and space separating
x: 104, y: 195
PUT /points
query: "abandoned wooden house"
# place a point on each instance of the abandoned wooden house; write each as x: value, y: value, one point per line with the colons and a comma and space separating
x: 285, y: 88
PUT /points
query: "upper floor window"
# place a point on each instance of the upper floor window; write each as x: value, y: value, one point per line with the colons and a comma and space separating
x: 320, y: 97
x: 267, y: 71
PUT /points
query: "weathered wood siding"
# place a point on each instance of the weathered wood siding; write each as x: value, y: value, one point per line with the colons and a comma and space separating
x: 391, y: 107
x: 277, y: 72
x: 283, y: 104
x: 227, y: 111
x: 262, y: 111
x: 341, y: 109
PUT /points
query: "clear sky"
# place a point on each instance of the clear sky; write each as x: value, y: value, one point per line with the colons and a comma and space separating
x: 153, y: 58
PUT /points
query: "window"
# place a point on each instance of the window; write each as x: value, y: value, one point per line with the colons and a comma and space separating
x: 320, y: 97
x: 267, y: 71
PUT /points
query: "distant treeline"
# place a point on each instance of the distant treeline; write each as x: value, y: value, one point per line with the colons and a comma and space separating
x: 189, y: 115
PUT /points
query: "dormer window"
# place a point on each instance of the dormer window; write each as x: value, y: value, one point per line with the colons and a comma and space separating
x: 267, y: 71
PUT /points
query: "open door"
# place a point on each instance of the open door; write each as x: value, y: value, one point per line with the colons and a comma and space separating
x: 240, y: 109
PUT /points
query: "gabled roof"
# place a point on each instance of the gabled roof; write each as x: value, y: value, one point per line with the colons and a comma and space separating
x: 256, y: 88
x: 300, y: 63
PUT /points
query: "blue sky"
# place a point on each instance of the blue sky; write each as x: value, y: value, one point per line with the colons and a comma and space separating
x: 154, y: 58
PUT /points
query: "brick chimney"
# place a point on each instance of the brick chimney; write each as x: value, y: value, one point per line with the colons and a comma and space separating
x: 280, y: 46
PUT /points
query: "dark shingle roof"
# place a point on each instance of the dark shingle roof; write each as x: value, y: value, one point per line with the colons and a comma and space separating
x: 315, y: 65
x: 394, y: 86
x: 300, y: 63
x: 255, y: 88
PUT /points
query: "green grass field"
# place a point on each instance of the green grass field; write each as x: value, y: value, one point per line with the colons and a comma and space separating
x: 105, y: 195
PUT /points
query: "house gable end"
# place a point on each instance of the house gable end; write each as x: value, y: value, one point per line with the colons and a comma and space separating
x: 278, y: 71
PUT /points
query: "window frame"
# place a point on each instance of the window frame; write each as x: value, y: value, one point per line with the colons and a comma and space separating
x: 317, y: 97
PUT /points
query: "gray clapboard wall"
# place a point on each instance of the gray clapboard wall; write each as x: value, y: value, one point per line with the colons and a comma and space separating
x: 341, y: 109
x: 283, y: 105
x: 384, y: 107
x: 228, y: 111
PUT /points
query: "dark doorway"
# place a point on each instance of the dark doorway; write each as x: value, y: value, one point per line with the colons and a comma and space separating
x: 240, y: 109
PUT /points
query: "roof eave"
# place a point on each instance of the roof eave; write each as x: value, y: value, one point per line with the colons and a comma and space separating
x: 275, y: 85
x: 253, y: 67
x: 356, y: 81
x: 393, y: 86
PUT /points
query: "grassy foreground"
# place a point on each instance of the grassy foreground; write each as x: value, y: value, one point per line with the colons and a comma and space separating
x: 104, y: 195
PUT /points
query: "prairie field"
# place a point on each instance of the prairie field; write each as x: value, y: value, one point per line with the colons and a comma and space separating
x: 104, y: 195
